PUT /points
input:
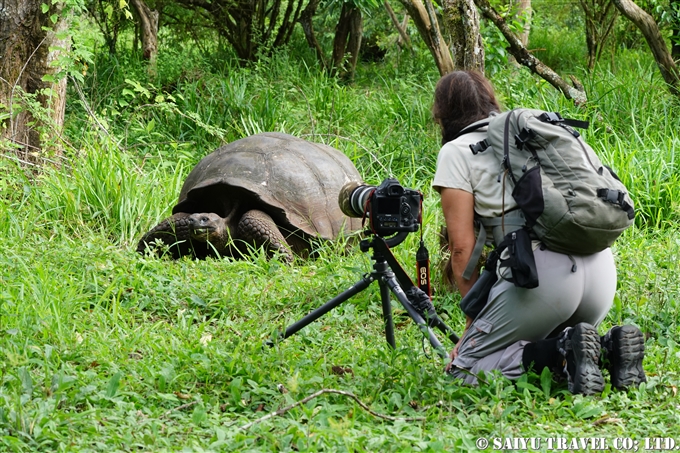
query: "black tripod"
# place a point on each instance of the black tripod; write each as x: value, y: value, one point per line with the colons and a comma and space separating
x: 391, y: 277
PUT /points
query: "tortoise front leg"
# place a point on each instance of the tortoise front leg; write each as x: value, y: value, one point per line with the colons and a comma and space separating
x: 175, y: 231
x: 258, y: 228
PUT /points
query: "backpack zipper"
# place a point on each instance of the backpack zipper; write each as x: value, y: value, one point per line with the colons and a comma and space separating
x: 577, y: 138
x: 587, y: 156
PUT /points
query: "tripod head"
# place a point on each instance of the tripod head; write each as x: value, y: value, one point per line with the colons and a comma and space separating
x: 366, y: 244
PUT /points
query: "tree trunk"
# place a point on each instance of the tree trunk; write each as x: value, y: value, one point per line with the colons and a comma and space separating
x: 461, y: 25
x: 29, y: 46
x: 347, y: 41
x: 524, y: 57
x: 650, y: 30
x: 524, y: 12
x: 356, y: 32
x: 308, y: 29
x: 148, y: 19
x: 600, y: 17
x: 340, y: 39
x: 426, y: 21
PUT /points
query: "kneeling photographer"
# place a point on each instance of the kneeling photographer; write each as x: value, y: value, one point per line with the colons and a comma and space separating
x: 520, y: 325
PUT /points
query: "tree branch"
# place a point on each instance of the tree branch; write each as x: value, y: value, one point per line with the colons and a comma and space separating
x: 650, y: 30
x: 178, y: 408
x: 525, y: 58
x: 397, y: 25
x: 427, y: 25
x: 339, y: 392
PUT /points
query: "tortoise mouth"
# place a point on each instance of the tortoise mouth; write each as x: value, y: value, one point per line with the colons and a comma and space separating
x: 202, y: 234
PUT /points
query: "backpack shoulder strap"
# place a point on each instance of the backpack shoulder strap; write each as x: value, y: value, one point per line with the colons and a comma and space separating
x: 479, y: 146
x: 476, y: 251
x: 472, y: 127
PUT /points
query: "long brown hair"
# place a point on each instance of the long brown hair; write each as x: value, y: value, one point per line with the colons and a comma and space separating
x: 460, y: 99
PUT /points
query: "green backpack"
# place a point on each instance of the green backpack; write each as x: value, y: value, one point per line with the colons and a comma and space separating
x: 571, y: 201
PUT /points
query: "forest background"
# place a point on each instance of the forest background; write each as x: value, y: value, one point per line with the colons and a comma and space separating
x: 103, y: 349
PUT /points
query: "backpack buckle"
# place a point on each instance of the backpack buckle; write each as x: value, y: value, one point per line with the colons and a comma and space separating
x: 523, y: 137
x: 611, y: 195
x: 479, y: 147
x: 617, y: 197
x: 550, y: 117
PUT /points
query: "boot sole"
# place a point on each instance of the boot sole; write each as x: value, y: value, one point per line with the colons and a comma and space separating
x: 585, y: 345
x: 627, y: 349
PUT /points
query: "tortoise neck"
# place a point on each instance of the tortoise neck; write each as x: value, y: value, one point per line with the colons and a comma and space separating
x: 231, y: 218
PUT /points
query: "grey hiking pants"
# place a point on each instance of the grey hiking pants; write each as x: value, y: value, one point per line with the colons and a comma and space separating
x: 515, y: 316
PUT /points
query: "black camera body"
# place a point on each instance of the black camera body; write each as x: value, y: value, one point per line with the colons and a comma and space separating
x: 389, y: 207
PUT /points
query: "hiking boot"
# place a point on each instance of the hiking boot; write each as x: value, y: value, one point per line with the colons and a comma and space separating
x: 624, y: 349
x: 580, y: 345
x: 541, y: 354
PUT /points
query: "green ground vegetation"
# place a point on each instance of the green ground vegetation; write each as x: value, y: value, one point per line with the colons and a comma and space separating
x: 103, y: 349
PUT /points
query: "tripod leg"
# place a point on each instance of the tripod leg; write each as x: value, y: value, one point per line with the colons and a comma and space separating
x: 328, y: 306
x: 393, y: 284
x: 387, y: 313
x: 381, y: 248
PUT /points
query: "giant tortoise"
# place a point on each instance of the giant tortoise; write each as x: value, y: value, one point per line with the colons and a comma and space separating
x: 272, y: 190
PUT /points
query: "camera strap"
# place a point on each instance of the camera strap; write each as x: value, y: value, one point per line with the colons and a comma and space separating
x: 423, y: 268
x: 423, y: 259
x: 367, y: 208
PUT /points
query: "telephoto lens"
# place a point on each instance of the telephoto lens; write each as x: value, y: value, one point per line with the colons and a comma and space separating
x: 353, y: 198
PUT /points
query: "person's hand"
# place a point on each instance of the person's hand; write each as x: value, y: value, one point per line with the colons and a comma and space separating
x: 453, y: 354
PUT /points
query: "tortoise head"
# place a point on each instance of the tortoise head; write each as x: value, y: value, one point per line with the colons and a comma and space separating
x: 209, y: 227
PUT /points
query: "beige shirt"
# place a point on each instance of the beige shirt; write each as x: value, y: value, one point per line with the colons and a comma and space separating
x: 458, y: 168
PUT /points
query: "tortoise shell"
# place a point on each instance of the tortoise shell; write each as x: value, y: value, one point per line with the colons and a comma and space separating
x: 295, y: 181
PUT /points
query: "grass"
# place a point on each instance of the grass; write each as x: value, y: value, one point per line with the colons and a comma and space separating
x: 106, y: 350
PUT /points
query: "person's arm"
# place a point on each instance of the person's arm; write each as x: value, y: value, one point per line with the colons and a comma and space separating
x: 459, y: 214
